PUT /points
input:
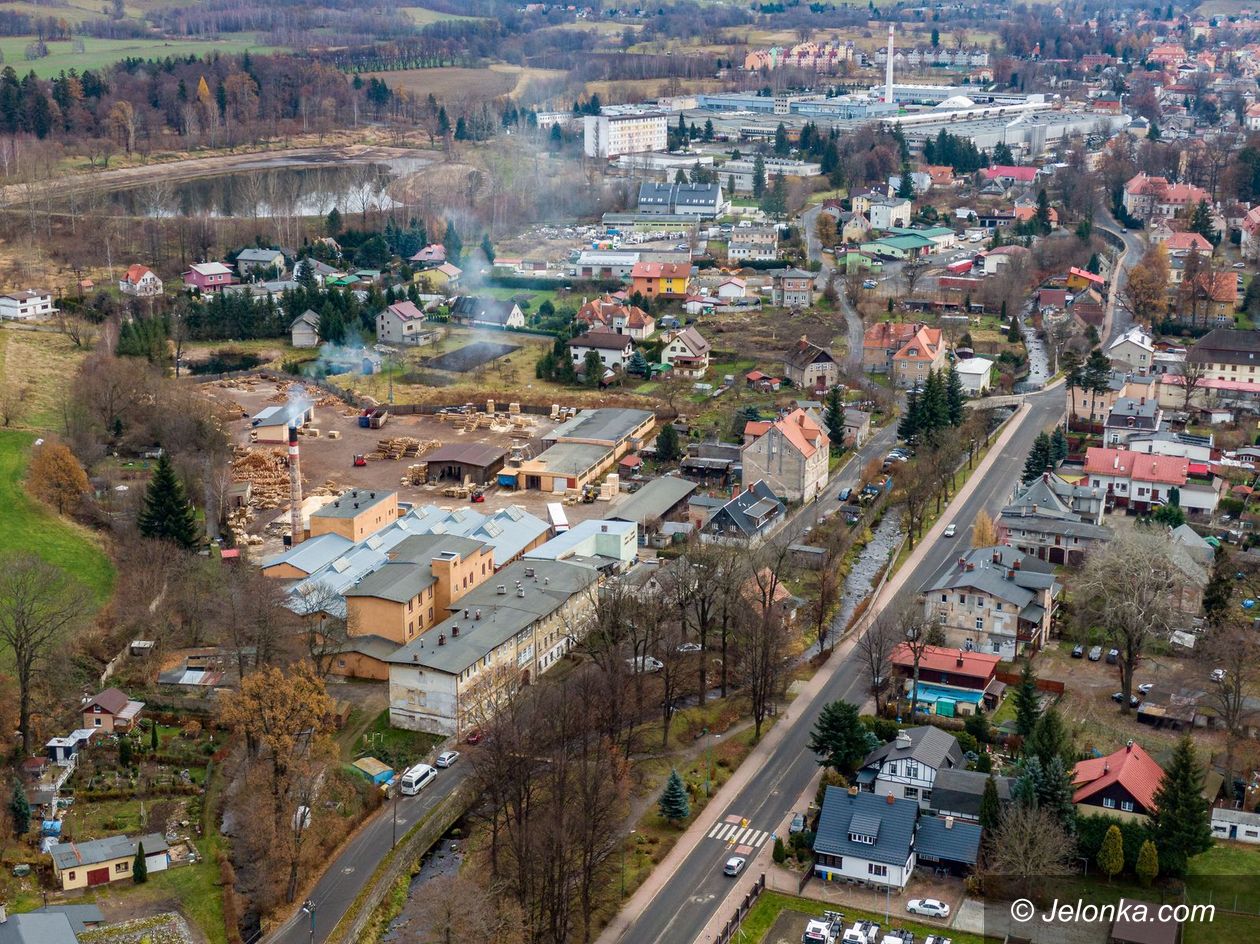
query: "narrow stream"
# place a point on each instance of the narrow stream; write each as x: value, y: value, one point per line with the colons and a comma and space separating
x: 866, y: 569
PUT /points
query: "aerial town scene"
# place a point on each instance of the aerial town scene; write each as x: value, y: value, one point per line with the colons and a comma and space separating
x: 510, y: 472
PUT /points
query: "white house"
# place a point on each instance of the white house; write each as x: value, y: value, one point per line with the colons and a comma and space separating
x: 732, y: 289
x: 23, y: 306
x: 865, y: 838
x: 1236, y: 825
x: 304, y: 331
x: 249, y: 260
x: 688, y: 353
x: 402, y: 323
x: 141, y: 281
x: 1133, y: 351
x: 976, y: 374
x: 907, y: 766
x: 614, y: 350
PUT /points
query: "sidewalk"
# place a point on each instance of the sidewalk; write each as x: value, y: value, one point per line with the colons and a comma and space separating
x: 665, y: 873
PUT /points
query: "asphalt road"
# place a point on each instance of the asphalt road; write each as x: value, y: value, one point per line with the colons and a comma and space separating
x: 1134, y: 246
x: 683, y: 908
x: 813, y: 251
x: 348, y: 873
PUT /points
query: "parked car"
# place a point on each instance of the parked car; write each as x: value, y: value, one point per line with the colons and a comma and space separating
x: 798, y: 824
x: 691, y: 647
x: 869, y: 283
x: 1118, y: 698
x: 928, y: 906
x: 1078, y: 651
x: 1218, y: 675
x: 734, y: 865
x: 950, y: 530
x: 1113, y: 656
x: 1145, y: 688
x: 647, y: 664
x: 474, y: 737
x: 845, y: 493
x: 447, y: 758
x: 1095, y: 654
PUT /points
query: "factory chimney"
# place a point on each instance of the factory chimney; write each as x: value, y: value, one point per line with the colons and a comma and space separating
x: 888, y: 69
x: 295, y: 488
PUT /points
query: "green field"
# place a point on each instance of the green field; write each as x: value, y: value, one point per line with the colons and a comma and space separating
x: 98, y: 53
x: 423, y: 16
x: 26, y: 525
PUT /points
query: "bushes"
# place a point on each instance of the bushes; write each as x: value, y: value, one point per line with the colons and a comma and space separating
x: 1092, y: 830
x: 231, y: 904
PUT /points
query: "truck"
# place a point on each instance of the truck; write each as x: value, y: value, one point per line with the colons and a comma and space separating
x: 556, y: 517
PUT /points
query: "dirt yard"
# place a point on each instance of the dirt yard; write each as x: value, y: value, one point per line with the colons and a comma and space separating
x: 329, y: 462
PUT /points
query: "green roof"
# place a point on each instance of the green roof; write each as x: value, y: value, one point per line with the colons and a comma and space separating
x: 906, y: 241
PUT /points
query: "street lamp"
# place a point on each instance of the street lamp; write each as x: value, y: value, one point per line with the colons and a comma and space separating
x: 309, y: 907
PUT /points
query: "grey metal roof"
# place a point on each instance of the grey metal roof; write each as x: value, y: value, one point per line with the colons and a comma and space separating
x: 959, y: 842
x: 258, y: 255
x: 80, y: 916
x: 930, y: 746
x: 37, y: 928
x: 608, y: 425
x: 502, y: 615
x: 654, y: 499
x: 571, y: 459
x: 959, y: 791
x: 478, y: 454
x: 397, y: 581
x: 1012, y: 519
x: 1000, y: 579
x: 351, y: 503
x: 896, y: 826
x: 69, y: 855
x: 865, y: 824
x: 374, y: 647
x: 749, y: 504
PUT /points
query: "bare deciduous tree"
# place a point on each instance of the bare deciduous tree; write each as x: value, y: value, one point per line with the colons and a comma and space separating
x: 1028, y: 847
x: 875, y: 648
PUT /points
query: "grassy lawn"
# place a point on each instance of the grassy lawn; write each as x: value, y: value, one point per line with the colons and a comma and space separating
x: 98, y: 53
x: 27, y: 526
x: 770, y: 905
x: 423, y: 16
x: 393, y: 746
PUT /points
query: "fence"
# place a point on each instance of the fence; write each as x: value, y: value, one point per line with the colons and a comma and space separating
x: 1046, y: 685
x: 731, y: 926
x: 398, y: 862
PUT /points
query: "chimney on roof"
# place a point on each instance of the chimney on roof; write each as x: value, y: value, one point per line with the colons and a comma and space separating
x: 455, y: 630
x: 441, y: 639
x: 997, y: 557
x: 890, y: 800
x: 1106, y: 766
x: 853, y: 790
x: 959, y: 660
x: 949, y: 822
x: 1010, y: 575
x: 1129, y: 745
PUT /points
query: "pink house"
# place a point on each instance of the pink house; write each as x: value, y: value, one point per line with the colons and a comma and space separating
x: 208, y: 276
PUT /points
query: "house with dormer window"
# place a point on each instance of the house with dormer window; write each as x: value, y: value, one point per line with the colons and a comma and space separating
x: 907, y: 766
x: 865, y: 838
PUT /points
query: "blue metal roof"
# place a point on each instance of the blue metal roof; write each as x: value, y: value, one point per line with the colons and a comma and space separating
x: 844, y: 812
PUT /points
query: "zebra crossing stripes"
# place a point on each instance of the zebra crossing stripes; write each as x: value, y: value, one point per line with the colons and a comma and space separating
x: 736, y: 834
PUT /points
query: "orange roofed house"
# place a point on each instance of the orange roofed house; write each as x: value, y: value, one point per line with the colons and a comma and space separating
x: 660, y: 279
x: 1149, y: 198
x: 790, y: 455
x: 881, y: 341
x: 924, y: 351
x: 951, y: 681
x: 1126, y: 781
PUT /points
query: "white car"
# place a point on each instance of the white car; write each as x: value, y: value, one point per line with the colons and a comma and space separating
x: 691, y: 647
x: 734, y: 865
x: 1145, y: 688
x: 647, y: 664
x: 951, y: 530
x: 928, y: 906
x: 447, y: 758
x: 1218, y: 675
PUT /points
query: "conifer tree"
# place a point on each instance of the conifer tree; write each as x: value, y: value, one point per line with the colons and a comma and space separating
x: 1111, y: 855
x: 140, y: 868
x: 667, y: 443
x: 990, y: 805
x: 674, y: 804
x: 167, y: 514
x: 1039, y: 459
x: 1027, y: 702
x: 834, y: 418
x: 1058, y: 446
x: 912, y: 420
x: 1180, y: 823
x: 20, y: 810
x: 1147, y: 863
x: 955, y: 397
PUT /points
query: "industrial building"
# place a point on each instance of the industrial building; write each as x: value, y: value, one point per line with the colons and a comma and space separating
x: 581, y: 450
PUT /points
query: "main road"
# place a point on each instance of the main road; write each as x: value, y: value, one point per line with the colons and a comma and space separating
x: 685, y: 902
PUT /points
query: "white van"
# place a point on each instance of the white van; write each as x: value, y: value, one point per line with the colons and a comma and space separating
x: 416, y: 778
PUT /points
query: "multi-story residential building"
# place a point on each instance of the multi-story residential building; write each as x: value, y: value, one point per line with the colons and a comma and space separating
x: 208, y: 276
x: 746, y: 519
x: 694, y: 200
x: 790, y: 456
x: 26, y: 305
x: 140, y: 281
x: 1227, y: 354
x: 743, y: 171
x: 1149, y: 198
x: 1132, y: 417
x: 660, y: 279
x: 617, y: 316
x: 881, y: 341
x: 907, y: 766
x: 993, y: 599
x: 811, y: 367
x: 1143, y: 482
x: 883, y: 212
x: 253, y: 260
x: 614, y: 350
x: 1133, y: 351
x: 402, y: 323
x: 688, y: 353
x: 1054, y: 520
x: 757, y: 242
x: 792, y: 288
x: 611, y: 135
x: 1091, y: 408
x: 452, y: 678
x: 925, y: 351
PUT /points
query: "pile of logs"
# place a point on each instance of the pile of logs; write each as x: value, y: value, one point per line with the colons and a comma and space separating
x: 267, y: 471
x: 402, y: 447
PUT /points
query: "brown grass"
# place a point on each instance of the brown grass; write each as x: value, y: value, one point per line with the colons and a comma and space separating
x: 45, y: 363
x: 454, y: 82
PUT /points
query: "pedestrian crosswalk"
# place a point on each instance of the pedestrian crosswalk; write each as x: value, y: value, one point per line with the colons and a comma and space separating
x: 738, y: 835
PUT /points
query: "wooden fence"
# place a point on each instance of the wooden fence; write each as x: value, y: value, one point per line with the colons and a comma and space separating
x: 731, y: 926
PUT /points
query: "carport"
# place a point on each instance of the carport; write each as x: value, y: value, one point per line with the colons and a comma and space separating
x: 479, y: 462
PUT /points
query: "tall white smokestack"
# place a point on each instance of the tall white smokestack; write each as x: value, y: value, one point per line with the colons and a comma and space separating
x: 295, y: 488
x: 888, y: 68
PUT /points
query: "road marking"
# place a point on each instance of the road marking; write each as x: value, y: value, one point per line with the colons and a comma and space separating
x: 734, y: 834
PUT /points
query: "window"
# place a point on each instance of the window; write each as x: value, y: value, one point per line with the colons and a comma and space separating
x: 979, y: 622
x: 120, y: 867
x: 865, y: 840
x: 96, y: 722
x: 1109, y: 803
x: 927, y: 795
x: 1127, y: 806
x: 879, y: 871
x: 944, y: 597
x: 962, y: 599
x: 912, y: 793
x: 912, y: 768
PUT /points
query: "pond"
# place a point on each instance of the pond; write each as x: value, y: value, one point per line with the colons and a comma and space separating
x: 271, y: 188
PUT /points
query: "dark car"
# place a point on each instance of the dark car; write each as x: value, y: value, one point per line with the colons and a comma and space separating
x: 1113, y: 656
x: 845, y: 493
x: 1118, y: 698
x: 798, y: 824
x: 1078, y: 651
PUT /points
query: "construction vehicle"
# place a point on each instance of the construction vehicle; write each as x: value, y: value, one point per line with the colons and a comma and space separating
x: 477, y: 495
x: 359, y: 460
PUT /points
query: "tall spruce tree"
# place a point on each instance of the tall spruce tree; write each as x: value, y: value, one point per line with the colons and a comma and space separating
x: 20, y: 810
x: 834, y: 418
x: 912, y: 419
x: 1027, y: 702
x: 139, y: 867
x: 1039, y: 459
x: 1181, y: 822
x: 955, y: 397
x: 667, y: 443
x: 839, y: 738
x: 167, y: 515
x: 1058, y: 446
x: 674, y: 804
x: 990, y: 804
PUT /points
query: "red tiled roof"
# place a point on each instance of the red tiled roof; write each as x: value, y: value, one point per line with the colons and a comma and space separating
x: 1086, y: 275
x: 1023, y: 174
x: 136, y: 272
x: 1138, y: 466
x: 924, y: 346
x: 946, y: 659
x: 660, y: 270
x: 757, y: 428
x: 1130, y: 767
x: 1195, y: 241
x: 887, y: 334
x: 802, y: 432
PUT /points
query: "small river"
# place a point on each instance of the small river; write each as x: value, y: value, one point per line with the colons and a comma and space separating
x: 274, y: 189
x: 866, y: 569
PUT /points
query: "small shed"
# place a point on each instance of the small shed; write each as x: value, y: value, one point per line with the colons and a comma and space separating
x: 377, y: 772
